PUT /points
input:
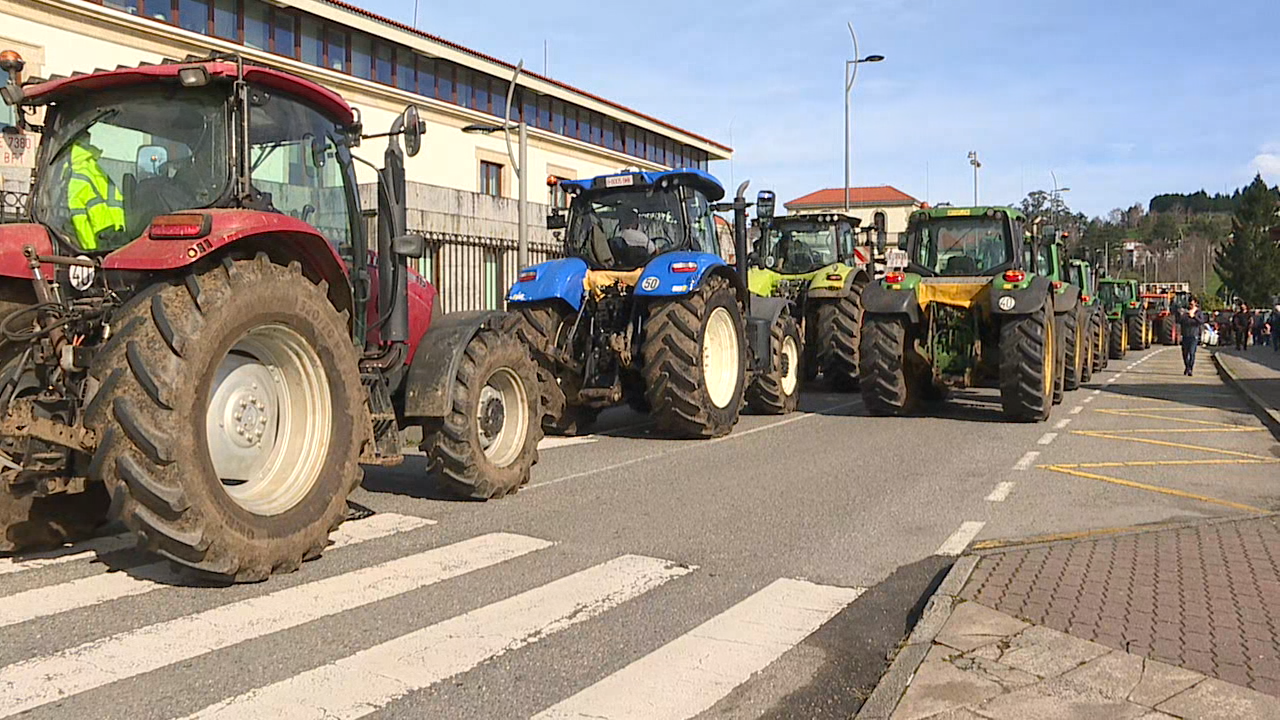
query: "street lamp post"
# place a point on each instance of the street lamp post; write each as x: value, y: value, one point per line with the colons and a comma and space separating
x: 973, y: 160
x: 851, y: 74
x: 517, y: 166
x: 1057, y: 191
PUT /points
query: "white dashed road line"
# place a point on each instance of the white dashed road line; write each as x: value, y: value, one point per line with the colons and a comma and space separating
x: 1047, y: 438
x: 1001, y: 492
x: 961, y: 538
x: 1077, y: 409
x: 1062, y: 423
x: 1026, y: 461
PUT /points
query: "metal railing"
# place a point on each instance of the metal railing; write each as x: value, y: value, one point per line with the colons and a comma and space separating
x: 13, y: 206
x: 473, y: 273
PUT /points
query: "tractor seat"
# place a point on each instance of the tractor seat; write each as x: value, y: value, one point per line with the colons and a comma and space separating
x: 960, y: 265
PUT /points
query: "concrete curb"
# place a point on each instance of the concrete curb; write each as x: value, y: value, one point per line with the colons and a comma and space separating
x: 1269, y: 416
x: 884, y: 699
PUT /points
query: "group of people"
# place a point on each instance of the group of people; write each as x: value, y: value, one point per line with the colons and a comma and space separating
x: 1263, y: 325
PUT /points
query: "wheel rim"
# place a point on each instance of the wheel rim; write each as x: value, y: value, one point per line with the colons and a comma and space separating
x: 720, y: 357
x: 268, y: 420
x: 1048, y: 355
x: 790, y: 365
x: 502, y: 418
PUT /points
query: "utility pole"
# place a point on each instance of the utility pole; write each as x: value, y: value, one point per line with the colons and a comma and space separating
x: 850, y: 75
x: 973, y: 160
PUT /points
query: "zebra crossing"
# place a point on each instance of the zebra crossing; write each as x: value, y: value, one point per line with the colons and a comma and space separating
x: 677, y: 680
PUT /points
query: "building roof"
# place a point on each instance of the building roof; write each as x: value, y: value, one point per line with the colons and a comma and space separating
x: 489, y: 58
x: 828, y: 197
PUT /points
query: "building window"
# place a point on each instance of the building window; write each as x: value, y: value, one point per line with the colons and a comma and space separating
x: 283, y: 34
x: 444, y: 80
x: 406, y: 76
x: 193, y: 15
x: 462, y: 86
x: 257, y: 25
x: 427, y: 77
x: 6, y: 111
x: 362, y: 56
x: 129, y: 6
x: 336, y: 49
x: 382, y: 61
x: 490, y: 179
x: 226, y: 20
x: 312, y: 43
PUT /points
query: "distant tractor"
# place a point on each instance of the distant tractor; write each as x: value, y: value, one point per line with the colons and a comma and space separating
x: 646, y: 312
x: 814, y: 261
x: 1161, y: 318
x: 966, y: 311
x: 201, y: 340
x: 1083, y: 276
x: 1126, y: 316
x: 1068, y: 312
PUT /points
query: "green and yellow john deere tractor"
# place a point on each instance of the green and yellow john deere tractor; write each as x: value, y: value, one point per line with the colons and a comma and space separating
x: 965, y: 311
x: 1050, y: 260
x: 1083, y: 276
x: 814, y: 261
x: 1126, y: 316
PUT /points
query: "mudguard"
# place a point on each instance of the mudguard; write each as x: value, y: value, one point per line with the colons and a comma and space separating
x: 1064, y: 300
x: 660, y: 280
x: 879, y: 300
x: 428, y: 388
x: 555, y: 279
x: 764, y: 312
x: 824, y: 286
x: 1027, y: 299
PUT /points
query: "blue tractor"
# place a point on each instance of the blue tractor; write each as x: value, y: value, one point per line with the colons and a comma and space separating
x: 645, y: 310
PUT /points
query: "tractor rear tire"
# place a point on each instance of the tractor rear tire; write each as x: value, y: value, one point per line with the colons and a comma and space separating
x: 695, y: 362
x: 777, y: 392
x: 1099, y: 325
x: 1089, y: 361
x: 1118, y: 339
x: 487, y: 445
x: 244, y: 344
x: 839, y: 328
x: 1137, y: 327
x: 1028, y: 355
x: 1075, y: 348
x: 1060, y: 358
x: 1168, y: 331
x: 888, y: 385
x: 539, y: 325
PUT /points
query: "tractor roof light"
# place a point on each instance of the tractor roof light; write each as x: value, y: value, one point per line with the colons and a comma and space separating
x: 11, y: 62
x: 1014, y: 275
x: 194, y: 76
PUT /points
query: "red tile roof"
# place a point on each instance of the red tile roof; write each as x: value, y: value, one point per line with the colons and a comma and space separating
x: 474, y: 53
x: 828, y: 197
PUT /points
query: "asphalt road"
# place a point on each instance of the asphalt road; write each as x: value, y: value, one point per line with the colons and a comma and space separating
x: 765, y: 574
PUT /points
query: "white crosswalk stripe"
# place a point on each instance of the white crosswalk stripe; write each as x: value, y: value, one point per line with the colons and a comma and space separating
x: 36, y: 681
x: 87, y: 550
x: 689, y: 674
x: 97, y: 589
x: 368, y: 680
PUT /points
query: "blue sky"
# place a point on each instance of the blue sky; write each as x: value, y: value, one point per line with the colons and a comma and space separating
x: 1123, y: 99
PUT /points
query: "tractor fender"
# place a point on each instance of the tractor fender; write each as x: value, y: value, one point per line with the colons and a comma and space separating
x: 1024, y: 299
x: 823, y: 286
x: 659, y: 279
x: 1065, y: 299
x: 428, y: 388
x: 1133, y: 311
x: 879, y: 300
x: 552, y: 280
x: 764, y: 312
x: 16, y: 236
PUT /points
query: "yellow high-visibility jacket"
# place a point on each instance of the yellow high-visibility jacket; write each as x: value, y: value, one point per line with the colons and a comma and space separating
x: 94, y: 200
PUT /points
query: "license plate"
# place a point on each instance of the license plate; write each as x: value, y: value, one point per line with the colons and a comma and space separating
x: 619, y: 181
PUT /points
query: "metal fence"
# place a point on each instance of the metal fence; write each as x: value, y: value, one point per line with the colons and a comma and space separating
x: 13, y: 206
x: 473, y: 273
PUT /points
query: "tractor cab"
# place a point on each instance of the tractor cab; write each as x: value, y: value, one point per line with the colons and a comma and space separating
x: 802, y: 244
x: 964, y: 242
x: 621, y: 222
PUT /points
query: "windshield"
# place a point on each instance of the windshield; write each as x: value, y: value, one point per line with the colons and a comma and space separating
x: 799, y: 247
x: 958, y: 246
x: 1115, y: 292
x: 623, y: 230
x: 117, y: 159
x: 1079, y: 278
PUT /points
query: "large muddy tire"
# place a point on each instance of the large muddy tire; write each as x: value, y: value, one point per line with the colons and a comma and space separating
x: 1089, y: 361
x: 231, y: 418
x: 1137, y: 331
x: 541, y: 326
x: 488, y: 444
x: 839, y: 326
x: 1060, y: 358
x: 37, y: 523
x: 888, y: 385
x: 777, y: 392
x: 694, y: 361
x: 1118, y: 339
x: 1027, y: 358
x: 1098, y: 341
x: 1075, y: 346
x: 1168, y: 331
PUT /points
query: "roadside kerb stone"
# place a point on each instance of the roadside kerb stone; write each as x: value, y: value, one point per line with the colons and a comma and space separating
x: 1270, y: 416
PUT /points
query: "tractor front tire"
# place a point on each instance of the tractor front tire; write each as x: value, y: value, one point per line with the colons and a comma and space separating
x: 694, y: 361
x: 1060, y: 357
x: 487, y: 445
x: 777, y: 392
x: 839, y: 328
x: 1168, y: 331
x: 1027, y: 359
x: 231, y: 417
x: 1075, y: 348
x: 1118, y: 338
x: 888, y: 385
x: 1100, y: 349
x: 1089, y: 361
x: 1137, y: 331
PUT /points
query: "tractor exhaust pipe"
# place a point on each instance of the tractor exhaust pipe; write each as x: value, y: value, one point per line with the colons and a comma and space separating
x: 740, y: 206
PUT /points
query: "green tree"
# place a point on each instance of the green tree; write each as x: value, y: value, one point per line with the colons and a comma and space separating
x: 1249, y: 263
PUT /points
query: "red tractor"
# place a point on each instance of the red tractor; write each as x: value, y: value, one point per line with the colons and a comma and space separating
x: 198, y: 338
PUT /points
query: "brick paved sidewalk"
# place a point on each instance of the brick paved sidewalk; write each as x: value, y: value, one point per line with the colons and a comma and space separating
x: 1175, y: 622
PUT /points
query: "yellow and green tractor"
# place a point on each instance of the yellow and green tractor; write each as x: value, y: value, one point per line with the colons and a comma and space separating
x: 1126, y: 316
x: 814, y: 261
x: 964, y: 308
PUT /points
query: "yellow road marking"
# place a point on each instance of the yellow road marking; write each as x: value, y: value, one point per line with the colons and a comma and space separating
x: 1165, y: 443
x: 1157, y: 489
x: 1152, y: 416
x: 1158, y: 463
x: 1054, y: 537
x: 1119, y: 411
x: 1186, y: 430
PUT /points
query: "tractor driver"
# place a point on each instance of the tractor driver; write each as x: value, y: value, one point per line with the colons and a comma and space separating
x: 630, y: 244
x: 93, y: 198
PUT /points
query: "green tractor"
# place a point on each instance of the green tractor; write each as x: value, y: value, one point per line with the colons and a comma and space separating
x: 965, y: 311
x: 1126, y: 316
x: 1083, y: 276
x: 1068, y: 312
x: 814, y: 261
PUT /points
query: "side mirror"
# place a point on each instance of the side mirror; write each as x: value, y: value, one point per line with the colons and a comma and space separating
x: 902, y: 241
x: 414, y: 127
x: 557, y: 221
x: 150, y: 159
x: 413, y: 246
x: 882, y: 242
x: 765, y: 204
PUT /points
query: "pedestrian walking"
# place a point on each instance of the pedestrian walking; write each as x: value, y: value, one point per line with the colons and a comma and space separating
x: 1190, y: 320
x: 1259, y: 329
x: 1274, y: 322
x: 1240, y: 322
